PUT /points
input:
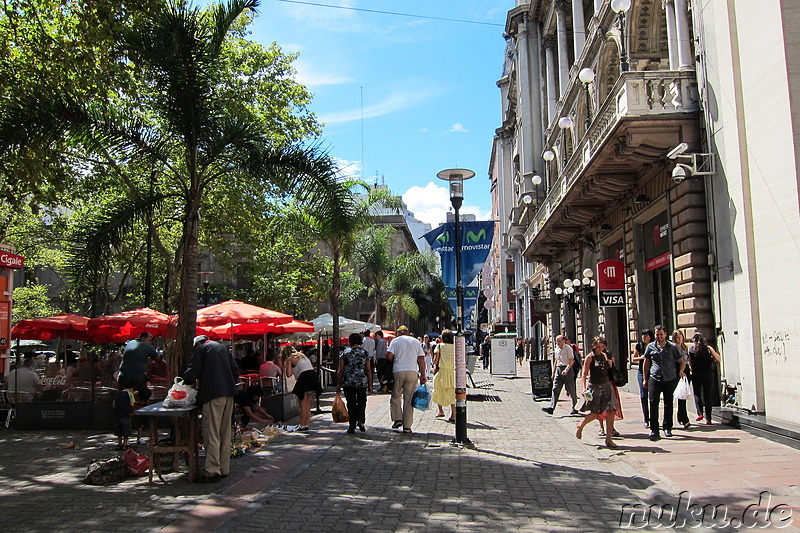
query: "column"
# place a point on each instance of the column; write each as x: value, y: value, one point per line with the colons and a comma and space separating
x: 550, y: 64
x: 672, y: 37
x: 578, y: 27
x: 685, y: 59
x: 563, y: 53
x: 526, y: 90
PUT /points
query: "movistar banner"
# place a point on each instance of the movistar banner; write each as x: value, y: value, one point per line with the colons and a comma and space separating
x: 476, y: 238
x: 470, y: 301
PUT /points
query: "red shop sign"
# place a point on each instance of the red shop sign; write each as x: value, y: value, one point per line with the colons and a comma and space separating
x: 9, y: 260
x: 610, y: 275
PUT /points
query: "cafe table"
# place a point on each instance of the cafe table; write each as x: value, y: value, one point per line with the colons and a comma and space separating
x: 185, y: 430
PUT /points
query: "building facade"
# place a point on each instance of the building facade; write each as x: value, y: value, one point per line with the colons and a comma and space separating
x: 661, y: 134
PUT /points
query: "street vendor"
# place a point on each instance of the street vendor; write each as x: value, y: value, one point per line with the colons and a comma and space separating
x: 134, y: 359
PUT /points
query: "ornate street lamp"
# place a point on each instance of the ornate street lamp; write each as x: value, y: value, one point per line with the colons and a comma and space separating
x: 620, y: 7
x: 586, y: 76
x: 205, y: 279
x: 456, y: 177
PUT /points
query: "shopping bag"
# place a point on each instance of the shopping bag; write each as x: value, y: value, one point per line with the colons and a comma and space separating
x: 138, y: 464
x: 180, y: 395
x: 422, y: 398
x: 683, y: 391
x: 339, y: 410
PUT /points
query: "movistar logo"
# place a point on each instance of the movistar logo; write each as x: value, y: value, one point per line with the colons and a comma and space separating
x: 472, y: 237
x: 444, y: 238
x: 471, y: 294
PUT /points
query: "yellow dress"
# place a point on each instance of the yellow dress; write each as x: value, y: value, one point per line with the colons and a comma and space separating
x: 444, y: 382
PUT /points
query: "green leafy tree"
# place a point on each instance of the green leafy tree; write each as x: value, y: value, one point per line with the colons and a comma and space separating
x: 181, y: 129
x: 31, y: 301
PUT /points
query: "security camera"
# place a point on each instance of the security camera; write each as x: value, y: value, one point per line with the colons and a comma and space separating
x: 680, y: 173
x: 678, y: 150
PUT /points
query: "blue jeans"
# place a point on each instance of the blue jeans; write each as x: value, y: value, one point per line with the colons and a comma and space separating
x: 643, y: 397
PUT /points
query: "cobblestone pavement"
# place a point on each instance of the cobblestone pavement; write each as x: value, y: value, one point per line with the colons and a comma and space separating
x: 527, y: 472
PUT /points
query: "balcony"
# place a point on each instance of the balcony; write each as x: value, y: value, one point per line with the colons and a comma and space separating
x: 645, y: 115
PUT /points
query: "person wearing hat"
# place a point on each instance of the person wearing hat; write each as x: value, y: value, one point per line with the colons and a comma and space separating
x: 215, y: 367
x: 408, y: 361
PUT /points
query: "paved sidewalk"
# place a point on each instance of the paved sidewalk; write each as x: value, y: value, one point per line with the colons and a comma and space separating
x: 527, y: 472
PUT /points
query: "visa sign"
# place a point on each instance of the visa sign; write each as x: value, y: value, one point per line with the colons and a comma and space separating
x: 9, y: 260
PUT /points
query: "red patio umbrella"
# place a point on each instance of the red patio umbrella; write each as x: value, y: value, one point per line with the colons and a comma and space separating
x: 127, y: 325
x: 63, y: 326
x: 254, y: 330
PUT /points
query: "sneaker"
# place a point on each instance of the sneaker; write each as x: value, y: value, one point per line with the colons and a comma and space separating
x: 351, y: 431
x: 548, y: 410
x: 654, y: 436
x: 708, y: 421
x: 667, y: 432
x: 699, y: 418
x: 397, y: 424
x: 302, y: 428
x: 216, y: 478
x: 686, y: 425
x: 406, y: 430
x: 361, y: 428
x: 574, y: 412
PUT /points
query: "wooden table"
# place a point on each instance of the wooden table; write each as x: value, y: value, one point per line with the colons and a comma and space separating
x: 185, y: 437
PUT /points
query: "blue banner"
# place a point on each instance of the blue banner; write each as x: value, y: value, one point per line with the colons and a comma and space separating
x: 476, y: 239
x: 470, y: 301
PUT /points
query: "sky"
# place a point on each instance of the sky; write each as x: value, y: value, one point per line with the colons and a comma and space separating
x: 401, y: 97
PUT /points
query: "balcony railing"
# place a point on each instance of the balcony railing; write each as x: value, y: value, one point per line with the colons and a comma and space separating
x: 636, y: 94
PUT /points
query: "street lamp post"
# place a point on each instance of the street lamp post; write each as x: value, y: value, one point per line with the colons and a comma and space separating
x: 205, y: 279
x: 456, y: 177
x: 586, y: 76
x: 620, y: 7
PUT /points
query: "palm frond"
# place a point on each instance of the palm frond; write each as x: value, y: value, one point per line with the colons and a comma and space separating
x: 94, y: 238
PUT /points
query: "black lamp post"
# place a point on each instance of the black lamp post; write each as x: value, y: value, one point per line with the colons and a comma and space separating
x: 586, y: 76
x: 205, y: 279
x: 456, y: 177
x: 620, y: 7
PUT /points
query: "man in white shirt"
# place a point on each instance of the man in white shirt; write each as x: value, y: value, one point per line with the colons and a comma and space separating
x: 368, y: 344
x: 407, y: 357
x: 562, y: 375
x: 23, y: 383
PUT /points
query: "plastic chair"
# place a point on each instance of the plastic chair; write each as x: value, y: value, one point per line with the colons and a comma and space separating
x: 7, y: 407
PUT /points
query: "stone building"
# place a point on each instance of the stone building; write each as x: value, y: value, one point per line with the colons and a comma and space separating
x: 661, y: 133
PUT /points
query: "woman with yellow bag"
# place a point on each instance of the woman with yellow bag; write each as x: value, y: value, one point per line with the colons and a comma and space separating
x: 353, y: 378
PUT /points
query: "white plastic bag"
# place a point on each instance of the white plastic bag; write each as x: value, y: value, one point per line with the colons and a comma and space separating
x: 180, y: 395
x: 683, y: 391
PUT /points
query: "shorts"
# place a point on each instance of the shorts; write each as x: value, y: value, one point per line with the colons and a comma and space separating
x: 122, y: 427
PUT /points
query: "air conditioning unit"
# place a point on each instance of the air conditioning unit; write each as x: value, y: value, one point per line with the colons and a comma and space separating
x: 543, y: 306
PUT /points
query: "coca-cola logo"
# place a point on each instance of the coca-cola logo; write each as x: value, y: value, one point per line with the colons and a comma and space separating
x: 54, y: 381
x: 9, y: 260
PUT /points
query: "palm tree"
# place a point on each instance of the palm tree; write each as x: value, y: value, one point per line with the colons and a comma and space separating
x: 407, y: 275
x: 181, y: 129
x: 371, y: 256
x: 342, y: 211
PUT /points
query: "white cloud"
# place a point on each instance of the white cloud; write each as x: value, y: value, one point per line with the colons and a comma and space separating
x: 350, y: 169
x: 458, y: 128
x: 308, y: 76
x: 393, y: 102
x: 432, y: 202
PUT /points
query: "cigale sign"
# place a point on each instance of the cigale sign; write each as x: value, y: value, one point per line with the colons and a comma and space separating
x: 9, y: 260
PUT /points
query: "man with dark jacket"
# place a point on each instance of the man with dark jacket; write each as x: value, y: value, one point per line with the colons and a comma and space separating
x: 217, y: 370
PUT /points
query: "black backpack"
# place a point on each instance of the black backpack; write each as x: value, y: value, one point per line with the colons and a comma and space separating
x: 577, y: 360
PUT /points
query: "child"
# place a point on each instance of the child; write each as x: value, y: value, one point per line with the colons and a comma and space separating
x: 123, y: 409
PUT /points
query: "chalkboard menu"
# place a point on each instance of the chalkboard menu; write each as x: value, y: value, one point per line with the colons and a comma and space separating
x: 541, y: 379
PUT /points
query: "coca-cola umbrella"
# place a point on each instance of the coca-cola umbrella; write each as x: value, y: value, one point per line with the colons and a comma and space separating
x: 254, y: 331
x: 63, y: 326
x: 238, y: 319
x: 127, y: 325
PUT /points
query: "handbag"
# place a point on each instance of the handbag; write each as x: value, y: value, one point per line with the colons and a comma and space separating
x: 180, y: 395
x: 617, y: 378
x: 339, y: 410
